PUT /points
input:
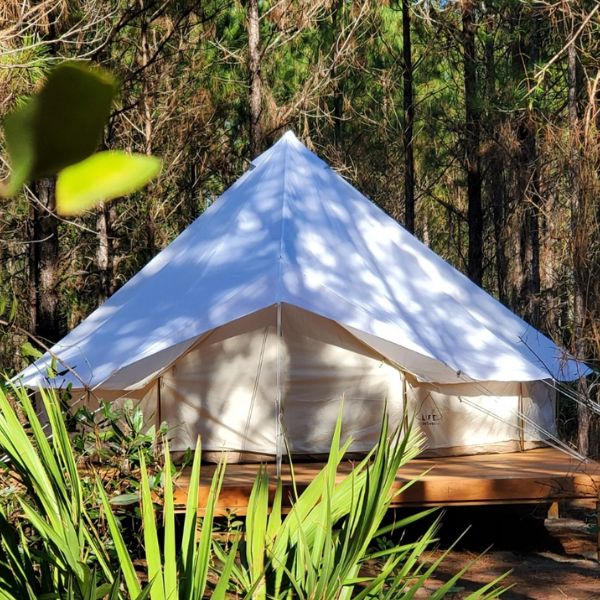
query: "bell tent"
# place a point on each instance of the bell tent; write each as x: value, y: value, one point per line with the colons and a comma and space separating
x: 292, y: 291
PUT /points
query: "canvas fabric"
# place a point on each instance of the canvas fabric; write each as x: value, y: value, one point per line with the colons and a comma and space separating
x: 223, y: 389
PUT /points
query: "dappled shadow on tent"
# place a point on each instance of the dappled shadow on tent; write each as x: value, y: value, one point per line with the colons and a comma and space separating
x: 225, y: 388
x: 291, y: 230
x: 329, y: 371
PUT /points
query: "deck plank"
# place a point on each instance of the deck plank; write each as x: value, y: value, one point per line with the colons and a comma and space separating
x: 540, y: 475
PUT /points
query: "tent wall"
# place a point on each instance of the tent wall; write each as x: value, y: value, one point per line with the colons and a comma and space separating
x: 539, y: 405
x: 147, y: 398
x: 325, y: 363
x: 453, y: 425
x: 224, y: 388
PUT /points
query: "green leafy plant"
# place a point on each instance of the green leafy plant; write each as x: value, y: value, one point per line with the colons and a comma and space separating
x: 54, y: 546
x: 59, y: 541
x: 57, y: 131
x: 179, y: 574
x: 115, y: 435
x: 50, y: 547
x: 323, y: 547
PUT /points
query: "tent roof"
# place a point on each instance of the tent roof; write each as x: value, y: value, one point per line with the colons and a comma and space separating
x: 291, y: 230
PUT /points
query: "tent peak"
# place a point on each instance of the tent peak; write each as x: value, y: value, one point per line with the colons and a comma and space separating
x: 289, y: 142
x: 290, y: 137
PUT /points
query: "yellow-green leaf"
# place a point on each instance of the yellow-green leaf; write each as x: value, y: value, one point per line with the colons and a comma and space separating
x: 102, y: 177
x: 59, y: 126
x: 28, y: 350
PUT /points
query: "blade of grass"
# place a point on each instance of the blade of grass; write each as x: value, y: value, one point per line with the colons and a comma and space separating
x: 188, y: 540
x: 132, y: 583
x: 151, y: 545
x: 170, y: 558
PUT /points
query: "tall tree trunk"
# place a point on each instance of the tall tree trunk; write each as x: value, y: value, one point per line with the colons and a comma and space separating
x: 578, y: 241
x: 496, y: 165
x: 409, y: 117
x: 43, y: 260
x: 497, y: 202
x: 338, y: 113
x: 44, y: 264
x: 32, y: 268
x: 472, y: 134
x: 147, y: 128
x: 524, y: 60
x: 254, y: 79
x: 190, y: 208
x: 530, y: 244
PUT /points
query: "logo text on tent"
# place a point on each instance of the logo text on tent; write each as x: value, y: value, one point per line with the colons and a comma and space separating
x: 429, y: 419
x: 429, y: 414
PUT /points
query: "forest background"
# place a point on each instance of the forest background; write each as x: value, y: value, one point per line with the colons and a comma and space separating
x: 475, y: 124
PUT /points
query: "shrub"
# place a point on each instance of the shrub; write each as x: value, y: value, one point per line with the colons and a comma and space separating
x: 60, y: 536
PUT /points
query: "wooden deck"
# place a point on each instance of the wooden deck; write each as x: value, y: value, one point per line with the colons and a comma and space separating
x: 534, y: 476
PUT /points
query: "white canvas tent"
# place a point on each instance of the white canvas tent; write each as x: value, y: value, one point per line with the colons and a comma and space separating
x: 293, y: 290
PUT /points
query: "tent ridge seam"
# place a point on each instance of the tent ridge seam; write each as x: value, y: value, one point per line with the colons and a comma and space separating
x: 284, y: 204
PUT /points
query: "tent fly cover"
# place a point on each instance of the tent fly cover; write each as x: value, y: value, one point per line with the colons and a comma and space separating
x: 294, y: 241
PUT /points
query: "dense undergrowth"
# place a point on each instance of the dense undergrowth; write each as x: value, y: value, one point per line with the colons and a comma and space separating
x: 90, y: 514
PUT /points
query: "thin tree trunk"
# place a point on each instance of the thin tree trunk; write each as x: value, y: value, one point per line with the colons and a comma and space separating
x: 146, y: 108
x: 190, y: 211
x: 409, y: 117
x: 531, y: 227
x: 338, y: 113
x: 44, y: 264
x: 525, y: 58
x: 578, y: 249
x: 497, y: 201
x: 472, y: 133
x: 32, y: 264
x: 254, y: 79
x: 495, y: 182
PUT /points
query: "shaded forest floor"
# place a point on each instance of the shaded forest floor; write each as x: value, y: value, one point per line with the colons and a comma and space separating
x: 549, y: 558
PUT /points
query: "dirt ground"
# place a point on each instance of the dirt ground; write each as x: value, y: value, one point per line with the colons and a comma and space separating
x: 549, y: 558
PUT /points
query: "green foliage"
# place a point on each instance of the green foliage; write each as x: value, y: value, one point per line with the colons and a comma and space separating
x: 47, y: 550
x: 59, y: 126
x: 114, y: 433
x: 55, y: 545
x: 72, y: 109
x: 57, y: 131
x: 58, y: 544
x: 18, y: 131
x: 323, y: 547
x: 28, y: 350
